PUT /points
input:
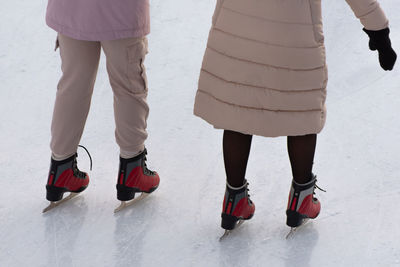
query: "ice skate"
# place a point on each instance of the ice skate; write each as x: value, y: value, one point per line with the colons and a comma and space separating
x: 134, y: 177
x: 236, y: 209
x: 302, y: 205
x: 64, y: 176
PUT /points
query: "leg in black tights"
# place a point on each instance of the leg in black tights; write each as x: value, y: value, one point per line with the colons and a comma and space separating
x: 236, y: 148
x: 301, y: 151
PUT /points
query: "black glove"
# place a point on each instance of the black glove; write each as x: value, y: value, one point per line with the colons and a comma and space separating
x: 379, y: 40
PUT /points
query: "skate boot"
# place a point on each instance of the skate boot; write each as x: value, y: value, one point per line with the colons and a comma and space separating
x: 236, y: 208
x: 134, y: 177
x: 64, y: 176
x: 302, y: 204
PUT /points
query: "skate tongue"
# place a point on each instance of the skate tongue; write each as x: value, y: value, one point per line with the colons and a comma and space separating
x: 90, y: 157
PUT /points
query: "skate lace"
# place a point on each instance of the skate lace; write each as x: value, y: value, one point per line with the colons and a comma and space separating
x: 75, y: 168
x: 146, y: 171
x: 247, y: 193
x: 317, y: 187
x: 323, y: 190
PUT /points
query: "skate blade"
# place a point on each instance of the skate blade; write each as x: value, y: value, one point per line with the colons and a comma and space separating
x: 54, y: 204
x: 294, y: 229
x: 227, y: 232
x: 125, y: 204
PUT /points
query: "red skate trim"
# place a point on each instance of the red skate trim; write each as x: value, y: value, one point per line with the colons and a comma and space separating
x: 309, y: 208
x: 62, y: 180
x: 228, y: 210
x: 143, y: 182
x: 121, y: 179
x: 133, y: 179
x: 294, y: 203
x: 243, y: 209
x: 70, y: 182
x: 51, y: 179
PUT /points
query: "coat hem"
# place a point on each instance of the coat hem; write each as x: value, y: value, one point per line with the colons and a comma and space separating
x: 257, y: 122
x: 97, y: 36
x: 255, y: 132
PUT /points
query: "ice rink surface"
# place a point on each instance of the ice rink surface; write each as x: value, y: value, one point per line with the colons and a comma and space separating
x: 357, y: 158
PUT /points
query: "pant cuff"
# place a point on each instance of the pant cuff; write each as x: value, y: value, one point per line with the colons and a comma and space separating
x: 60, y: 157
x: 127, y: 154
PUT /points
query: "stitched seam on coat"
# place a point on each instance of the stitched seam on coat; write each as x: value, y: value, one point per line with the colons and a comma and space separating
x: 262, y: 42
x: 218, y: 12
x: 265, y: 19
x: 261, y: 87
x: 262, y: 64
x: 262, y: 109
x: 312, y: 19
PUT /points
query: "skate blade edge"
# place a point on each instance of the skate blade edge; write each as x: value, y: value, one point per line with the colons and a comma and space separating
x: 54, y: 204
x: 293, y: 230
x: 227, y: 232
x: 125, y: 204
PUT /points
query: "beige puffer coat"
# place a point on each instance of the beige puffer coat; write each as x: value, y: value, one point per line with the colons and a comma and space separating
x: 264, y: 69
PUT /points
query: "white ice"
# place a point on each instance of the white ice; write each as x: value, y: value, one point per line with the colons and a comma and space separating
x: 357, y: 158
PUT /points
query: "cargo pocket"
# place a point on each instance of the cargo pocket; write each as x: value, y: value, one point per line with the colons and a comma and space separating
x: 136, y: 71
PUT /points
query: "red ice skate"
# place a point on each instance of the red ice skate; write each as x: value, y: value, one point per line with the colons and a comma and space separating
x: 237, y: 207
x: 64, y: 176
x: 134, y: 177
x: 302, y: 203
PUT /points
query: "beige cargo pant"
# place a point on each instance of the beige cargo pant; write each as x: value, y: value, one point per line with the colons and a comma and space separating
x: 80, y: 61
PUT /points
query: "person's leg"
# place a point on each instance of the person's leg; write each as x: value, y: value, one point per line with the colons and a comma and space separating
x: 125, y: 58
x: 80, y: 61
x: 125, y: 66
x: 236, y: 147
x: 302, y: 203
x: 237, y: 204
x: 301, y: 151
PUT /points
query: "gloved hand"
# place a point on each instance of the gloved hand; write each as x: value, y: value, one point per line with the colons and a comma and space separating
x: 379, y: 40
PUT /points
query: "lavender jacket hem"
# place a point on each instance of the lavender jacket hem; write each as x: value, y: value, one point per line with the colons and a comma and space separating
x: 99, y: 20
x: 97, y: 36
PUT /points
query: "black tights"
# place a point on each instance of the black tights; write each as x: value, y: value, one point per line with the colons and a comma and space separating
x: 236, y: 148
x: 301, y: 151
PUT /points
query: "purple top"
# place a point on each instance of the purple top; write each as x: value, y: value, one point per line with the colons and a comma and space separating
x: 97, y: 20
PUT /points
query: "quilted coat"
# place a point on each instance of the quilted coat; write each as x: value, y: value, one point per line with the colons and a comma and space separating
x: 264, y: 69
